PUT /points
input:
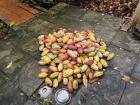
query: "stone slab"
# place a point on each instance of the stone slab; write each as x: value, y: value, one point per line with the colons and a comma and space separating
x: 127, y: 41
x: 58, y: 7
x: 123, y: 61
x: 72, y: 11
x: 92, y: 17
x: 104, y: 32
x: 106, y: 91
x: 107, y: 27
x: 30, y: 102
x: 2, y: 79
x: 136, y: 71
x: 111, y: 21
x: 12, y: 57
x: 5, y: 49
x: 11, y: 95
x: 28, y: 78
x: 131, y: 94
x: 72, y: 23
x: 87, y: 97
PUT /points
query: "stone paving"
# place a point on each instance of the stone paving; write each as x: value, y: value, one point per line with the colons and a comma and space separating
x: 19, y: 83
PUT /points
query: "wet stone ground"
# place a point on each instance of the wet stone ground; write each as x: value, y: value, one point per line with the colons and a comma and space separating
x: 19, y: 55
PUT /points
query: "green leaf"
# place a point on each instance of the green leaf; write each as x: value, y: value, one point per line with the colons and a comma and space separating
x: 11, y: 23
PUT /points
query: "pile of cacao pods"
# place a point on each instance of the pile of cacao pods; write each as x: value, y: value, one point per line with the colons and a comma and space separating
x: 72, y: 58
x: 118, y: 8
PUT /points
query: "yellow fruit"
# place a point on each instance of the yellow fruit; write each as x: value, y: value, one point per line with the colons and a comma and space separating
x: 55, y: 46
x: 70, y: 78
x: 110, y: 56
x: 54, y: 75
x: 65, y: 81
x: 46, y: 59
x: 94, y: 67
x: 66, y: 62
x: 55, y: 83
x: 95, y: 62
x: 99, y: 65
x: 90, y: 75
x: 41, y: 47
x: 98, y: 73
x: 79, y: 60
x: 77, y: 70
x: 48, y: 81
x: 85, y: 81
x: 41, y: 62
x: 51, y: 56
x: 45, y: 52
x: 60, y: 77
x: 99, y: 54
x: 44, y: 70
x: 96, y: 58
x: 102, y: 43
x: 60, y: 66
x: 67, y: 73
x: 65, y: 39
x: 104, y: 63
x: 103, y: 47
x: 42, y: 75
x: 101, y: 50
x: 53, y: 68
x: 91, y: 54
x: 105, y: 54
x: 75, y: 84
x: 84, y: 68
x: 91, y: 36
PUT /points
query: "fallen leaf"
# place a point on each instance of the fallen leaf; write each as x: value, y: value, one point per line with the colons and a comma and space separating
x: 131, y: 82
x: 79, y: 102
x: 115, y: 68
x: 21, y: 94
x: 126, y: 78
x: 9, y: 65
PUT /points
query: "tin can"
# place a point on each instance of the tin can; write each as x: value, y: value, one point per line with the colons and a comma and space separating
x: 45, y: 91
x: 62, y: 97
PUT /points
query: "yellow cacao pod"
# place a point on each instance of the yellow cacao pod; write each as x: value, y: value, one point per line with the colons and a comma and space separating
x: 77, y: 70
x: 42, y: 75
x: 65, y: 39
x: 60, y: 77
x: 91, y: 36
x: 70, y: 78
x: 46, y: 59
x: 99, y: 65
x: 54, y: 75
x: 98, y: 73
x: 104, y: 63
x: 75, y: 84
x: 110, y: 56
x: 48, y: 81
x: 55, y: 83
x: 94, y: 67
x: 65, y: 81
x: 96, y: 58
x: 85, y: 81
x: 99, y: 54
x: 67, y: 73
x: 60, y: 66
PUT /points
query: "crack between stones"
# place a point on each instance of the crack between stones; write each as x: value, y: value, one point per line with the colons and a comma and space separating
x: 122, y: 94
x: 37, y: 89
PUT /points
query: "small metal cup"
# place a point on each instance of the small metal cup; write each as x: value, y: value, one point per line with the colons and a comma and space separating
x: 62, y: 97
